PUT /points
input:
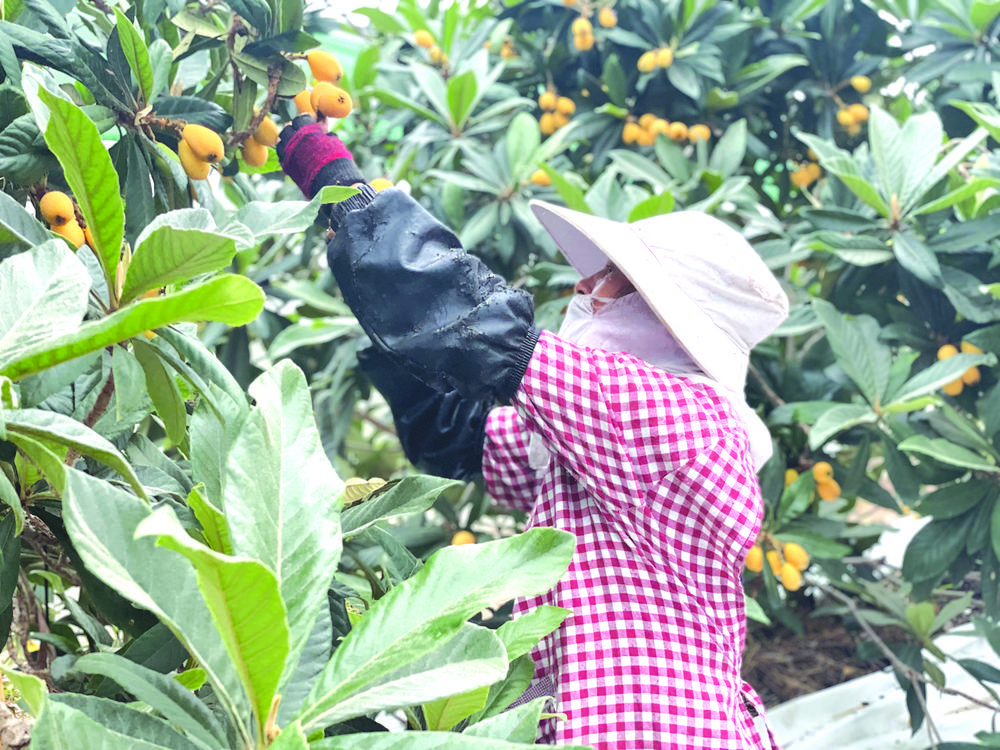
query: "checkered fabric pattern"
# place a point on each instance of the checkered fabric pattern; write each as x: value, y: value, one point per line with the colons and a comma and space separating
x: 653, y: 475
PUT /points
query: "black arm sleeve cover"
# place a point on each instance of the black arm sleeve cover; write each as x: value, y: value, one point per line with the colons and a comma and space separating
x: 438, y: 310
x: 441, y: 433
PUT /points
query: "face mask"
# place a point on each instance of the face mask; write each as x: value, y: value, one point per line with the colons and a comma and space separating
x: 626, y: 324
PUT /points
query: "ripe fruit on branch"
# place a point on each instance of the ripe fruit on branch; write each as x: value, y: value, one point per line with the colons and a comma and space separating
x: 254, y: 152
x: 678, y: 131
x: 303, y: 103
x: 796, y: 555
x: 791, y: 475
x: 423, y: 38
x: 463, y: 537
x: 829, y: 490
x: 822, y: 472
x: 195, y: 168
x: 266, y: 133
x: 330, y: 101
x: 755, y: 559
x: 548, y: 100
x: 861, y: 84
x: 844, y: 117
x: 647, y: 62
x: 584, y: 42
x: 790, y: 577
x: 658, y: 126
x: 204, y: 142
x: 774, y: 560
x: 664, y: 57
x: 859, y: 112
x: 541, y: 178
x: 607, y: 18
x: 581, y: 26
x: 56, y: 208
x: 71, y: 231
x: 324, y: 66
x: 565, y: 105
x: 699, y: 132
x: 631, y: 132
x: 380, y: 183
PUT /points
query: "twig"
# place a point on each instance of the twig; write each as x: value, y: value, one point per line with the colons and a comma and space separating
x: 773, y: 397
x: 908, y: 671
x: 273, y: 79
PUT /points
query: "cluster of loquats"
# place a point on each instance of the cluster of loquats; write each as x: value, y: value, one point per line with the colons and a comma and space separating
x: 826, y: 486
x: 326, y: 99
x: 644, y: 131
x: 651, y: 60
x: 59, y: 212
x: 255, y: 147
x: 424, y: 38
x: 970, y: 376
x: 852, y: 116
x: 787, y: 561
x: 805, y: 174
x: 556, y: 111
x: 583, y: 34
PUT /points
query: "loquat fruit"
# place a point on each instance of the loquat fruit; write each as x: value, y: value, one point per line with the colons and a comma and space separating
x: 548, y: 100
x: 699, y: 132
x: 88, y: 237
x: 71, y: 231
x: 677, y: 131
x: 948, y: 350
x: 303, y: 103
x: 330, y: 101
x: 581, y: 26
x: 659, y: 126
x: 569, y: 3
x: 541, y: 178
x: 560, y: 120
x: 755, y: 559
x: 954, y: 388
x: 829, y: 490
x: 968, y: 348
x: 859, y: 112
x: 423, y: 38
x: 194, y: 167
x: 774, y: 560
x: 646, y: 120
x: 796, y: 555
x: 664, y: 57
x: 607, y: 18
x: 324, y: 66
x: 437, y: 56
x: 815, y: 170
x: 204, y: 142
x: 547, y: 123
x: 584, y: 42
x: 790, y: 577
x: 801, y: 177
x: 56, y: 208
x: 822, y: 472
x: 266, y: 133
x: 463, y: 537
x: 647, y: 62
x: 853, y: 129
x: 861, y: 84
x: 565, y: 105
x: 971, y: 376
x: 507, y: 50
x: 254, y: 152
x: 631, y: 132
x: 646, y: 137
x: 380, y: 183
x: 844, y: 117
x: 791, y: 475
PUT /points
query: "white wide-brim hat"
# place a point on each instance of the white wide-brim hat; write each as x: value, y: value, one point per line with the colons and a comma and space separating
x: 699, y: 275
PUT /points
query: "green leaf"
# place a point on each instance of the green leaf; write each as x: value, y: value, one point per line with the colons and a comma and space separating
x: 9, y: 497
x: 968, y: 190
x: 516, y: 724
x: 730, y: 150
x: 193, y: 679
x: 523, y: 140
x: 60, y: 727
x: 983, y: 12
x: 102, y: 521
x: 163, y: 390
x: 888, y: 151
x: 43, y: 295
x: 444, y: 713
x: 17, y: 226
x: 281, y: 497
x: 161, y: 692
x: 920, y: 616
x: 291, y: 738
x: 934, y: 548
x: 655, y: 206
x: 125, y: 720
x: 230, y: 299
x: 842, y: 164
x: 954, y: 499
x: 917, y: 258
x: 243, y: 596
x: 462, y: 97
x: 411, y: 494
x: 62, y: 430
x: 572, y: 196
x: 751, y: 77
x: 134, y: 47
x: 420, y: 741
x: 986, y: 115
x: 856, y: 249
x: 947, y: 452
x: 417, y: 616
x: 613, y: 78
x: 41, y: 455
x: 940, y: 374
x: 995, y: 529
x: 171, y: 254
x: 32, y: 689
x: 88, y: 170
x: 855, y: 342
x: 950, y: 611
x: 214, y: 525
x: 837, y: 419
x: 755, y: 612
x: 521, y: 634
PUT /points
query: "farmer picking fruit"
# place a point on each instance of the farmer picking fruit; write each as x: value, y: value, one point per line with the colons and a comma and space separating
x: 628, y: 428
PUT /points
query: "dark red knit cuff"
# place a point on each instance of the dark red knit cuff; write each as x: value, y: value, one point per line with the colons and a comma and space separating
x: 309, y: 150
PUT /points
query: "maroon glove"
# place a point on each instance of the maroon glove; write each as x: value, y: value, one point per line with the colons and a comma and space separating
x: 314, y: 158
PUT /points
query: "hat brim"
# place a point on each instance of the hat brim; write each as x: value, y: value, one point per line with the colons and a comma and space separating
x: 589, y: 242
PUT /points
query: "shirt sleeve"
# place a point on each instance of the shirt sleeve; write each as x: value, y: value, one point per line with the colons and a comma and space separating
x: 507, y: 473
x: 618, y: 424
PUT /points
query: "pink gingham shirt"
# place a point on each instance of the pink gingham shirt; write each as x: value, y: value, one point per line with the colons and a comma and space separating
x: 652, y: 473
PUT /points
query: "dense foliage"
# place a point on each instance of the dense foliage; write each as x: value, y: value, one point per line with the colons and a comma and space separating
x: 179, y: 397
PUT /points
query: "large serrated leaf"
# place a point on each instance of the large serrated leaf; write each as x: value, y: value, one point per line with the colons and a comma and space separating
x: 17, y: 226
x: 837, y: 419
x: 861, y: 354
x: 134, y: 48
x: 170, y: 255
x: 61, y: 727
x: 410, y: 495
